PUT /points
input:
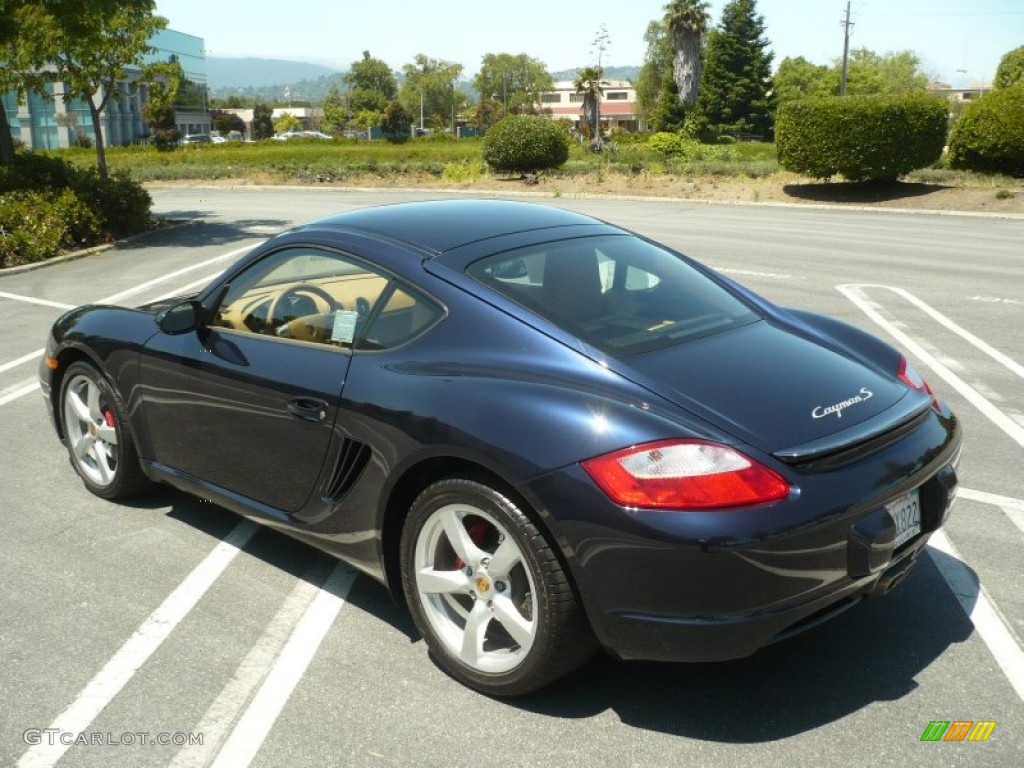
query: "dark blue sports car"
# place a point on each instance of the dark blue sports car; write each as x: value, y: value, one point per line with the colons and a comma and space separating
x: 549, y: 434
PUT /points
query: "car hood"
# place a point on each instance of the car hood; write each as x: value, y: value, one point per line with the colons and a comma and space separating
x: 769, y: 387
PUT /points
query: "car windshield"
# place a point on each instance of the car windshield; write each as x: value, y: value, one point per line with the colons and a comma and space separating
x: 618, y: 293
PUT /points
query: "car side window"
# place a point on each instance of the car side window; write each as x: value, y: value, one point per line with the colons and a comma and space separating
x: 402, y: 315
x: 306, y: 294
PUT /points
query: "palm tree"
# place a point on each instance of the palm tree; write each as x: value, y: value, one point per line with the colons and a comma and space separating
x: 687, y: 21
x: 588, y: 82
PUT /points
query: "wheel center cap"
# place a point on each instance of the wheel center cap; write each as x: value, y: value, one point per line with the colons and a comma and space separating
x: 482, y: 584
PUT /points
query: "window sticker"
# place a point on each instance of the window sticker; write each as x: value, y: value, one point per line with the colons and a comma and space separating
x: 344, y: 329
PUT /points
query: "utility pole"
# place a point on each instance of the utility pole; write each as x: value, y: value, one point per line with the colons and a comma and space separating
x: 847, y: 24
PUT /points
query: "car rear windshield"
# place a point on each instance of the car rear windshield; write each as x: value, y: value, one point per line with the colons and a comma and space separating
x: 618, y: 293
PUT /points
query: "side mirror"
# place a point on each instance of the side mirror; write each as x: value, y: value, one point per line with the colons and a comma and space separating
x: 183, y: 317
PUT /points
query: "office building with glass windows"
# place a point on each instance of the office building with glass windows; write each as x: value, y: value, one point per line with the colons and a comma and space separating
x: 46, y: 121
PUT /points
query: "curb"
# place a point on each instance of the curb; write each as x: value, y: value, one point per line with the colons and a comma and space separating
x: 597, y: 196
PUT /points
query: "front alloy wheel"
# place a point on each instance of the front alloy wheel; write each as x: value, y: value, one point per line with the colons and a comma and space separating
x: 487, y: 592
x: 97, y: 439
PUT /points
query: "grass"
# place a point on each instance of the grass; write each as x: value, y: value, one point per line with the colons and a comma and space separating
x: 457, y: 161
x: 628, y: 159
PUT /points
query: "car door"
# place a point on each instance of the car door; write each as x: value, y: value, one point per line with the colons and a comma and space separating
x: 248, y: 402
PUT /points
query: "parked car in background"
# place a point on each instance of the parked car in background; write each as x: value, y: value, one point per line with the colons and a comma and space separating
x: 197, y: 138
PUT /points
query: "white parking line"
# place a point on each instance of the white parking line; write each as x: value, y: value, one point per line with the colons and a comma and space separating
x: 21, y: 391
x: 1013, y: 508
x: 118, y: 297
x: 980, y: 610
x: 185, y: 270
x: 252, y: 729
x: 184, y: 289
x: 101, y: 690
x: 960, y: 331
x: 21, y: 360
x: 32, y: 300
x: 253, y: 670
x: 996, y: 416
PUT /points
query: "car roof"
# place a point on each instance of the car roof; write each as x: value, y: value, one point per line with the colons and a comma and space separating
x: 442, y: 225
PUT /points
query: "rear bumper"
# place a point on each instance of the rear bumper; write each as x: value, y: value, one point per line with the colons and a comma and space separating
x: 718, y: 585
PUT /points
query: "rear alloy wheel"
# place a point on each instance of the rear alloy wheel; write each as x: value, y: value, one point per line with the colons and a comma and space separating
x: 487, y: 591
x: 96, y: 434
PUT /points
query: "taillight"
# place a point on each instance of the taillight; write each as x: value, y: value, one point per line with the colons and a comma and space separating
x: 909, y: 375
x: 684, y: 474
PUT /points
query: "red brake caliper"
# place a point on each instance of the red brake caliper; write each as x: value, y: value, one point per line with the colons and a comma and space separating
x: 477, y: 533
x: 108, y: 416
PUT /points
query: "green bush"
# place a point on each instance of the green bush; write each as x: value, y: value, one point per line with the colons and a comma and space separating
x: 861, y: 137
x: 31, y: 229
x: 526, y: 144
x: 82, y: 225
x: 989, y: 136
x: 52, y: 205
x: 667, y: 144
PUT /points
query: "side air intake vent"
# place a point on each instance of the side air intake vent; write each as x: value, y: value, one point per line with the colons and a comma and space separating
x: 351, y: 462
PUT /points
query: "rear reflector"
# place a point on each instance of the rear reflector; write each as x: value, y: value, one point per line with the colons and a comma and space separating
x: 684, y: 474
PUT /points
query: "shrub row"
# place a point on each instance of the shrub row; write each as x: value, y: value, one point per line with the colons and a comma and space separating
x: 861, y: 137
x: 48, y: 205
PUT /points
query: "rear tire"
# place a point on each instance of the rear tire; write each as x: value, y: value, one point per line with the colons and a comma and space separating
x: 97, y: 434
x: 487, y: 591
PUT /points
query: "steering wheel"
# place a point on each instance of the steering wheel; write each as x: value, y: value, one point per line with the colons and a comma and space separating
x: 308, y: 288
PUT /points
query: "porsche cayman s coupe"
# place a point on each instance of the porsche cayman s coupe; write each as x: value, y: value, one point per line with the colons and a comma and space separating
x: 548, y: 434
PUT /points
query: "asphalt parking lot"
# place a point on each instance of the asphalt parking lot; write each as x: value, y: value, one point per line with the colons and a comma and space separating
x: 170, y: 632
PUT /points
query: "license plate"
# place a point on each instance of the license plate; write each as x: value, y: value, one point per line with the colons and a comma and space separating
x: 906, y: 513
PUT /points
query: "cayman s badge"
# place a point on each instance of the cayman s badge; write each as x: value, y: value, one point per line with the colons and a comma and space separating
x: 821, y: 411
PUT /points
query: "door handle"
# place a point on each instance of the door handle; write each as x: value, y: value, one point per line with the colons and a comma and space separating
x: 308, y: 409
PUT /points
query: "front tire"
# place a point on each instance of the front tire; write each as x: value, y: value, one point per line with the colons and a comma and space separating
x: 97, y: 434
x: 488, y: 593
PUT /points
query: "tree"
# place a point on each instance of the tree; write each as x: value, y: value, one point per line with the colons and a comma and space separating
x: 226, y: 122
x: 287, y: 123
x: 262, y: 121
x: 164, y: 80
x: 868, y: 74
x: 800, y: 79
x: 736, y: 86
x: 335, y: 112
x: 17, y: 65
x: 589, y: 82
x: 396, y: 121
x: 90, y: 45
x: 1010, y: 69
x: 513, y: 81
x: 429, y: 90
x: 669, y: 114
x: 657, y: 64
x: 371, y: 83
x: 686, y: 21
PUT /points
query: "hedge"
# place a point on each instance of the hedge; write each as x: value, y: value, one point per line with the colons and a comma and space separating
x: 989, y: 136
x: 526, y: 144
x: 48, y: 205
x: 861, y: 137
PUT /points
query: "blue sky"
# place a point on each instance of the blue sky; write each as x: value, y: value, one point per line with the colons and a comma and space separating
x: 947, y: 35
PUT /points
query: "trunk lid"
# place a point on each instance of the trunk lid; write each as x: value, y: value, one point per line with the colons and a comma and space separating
x: 772, y: 388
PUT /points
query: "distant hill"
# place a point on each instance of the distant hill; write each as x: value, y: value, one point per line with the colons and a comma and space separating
x: 277, y: 81
x: 260, y: 73
x: 610, y: 73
